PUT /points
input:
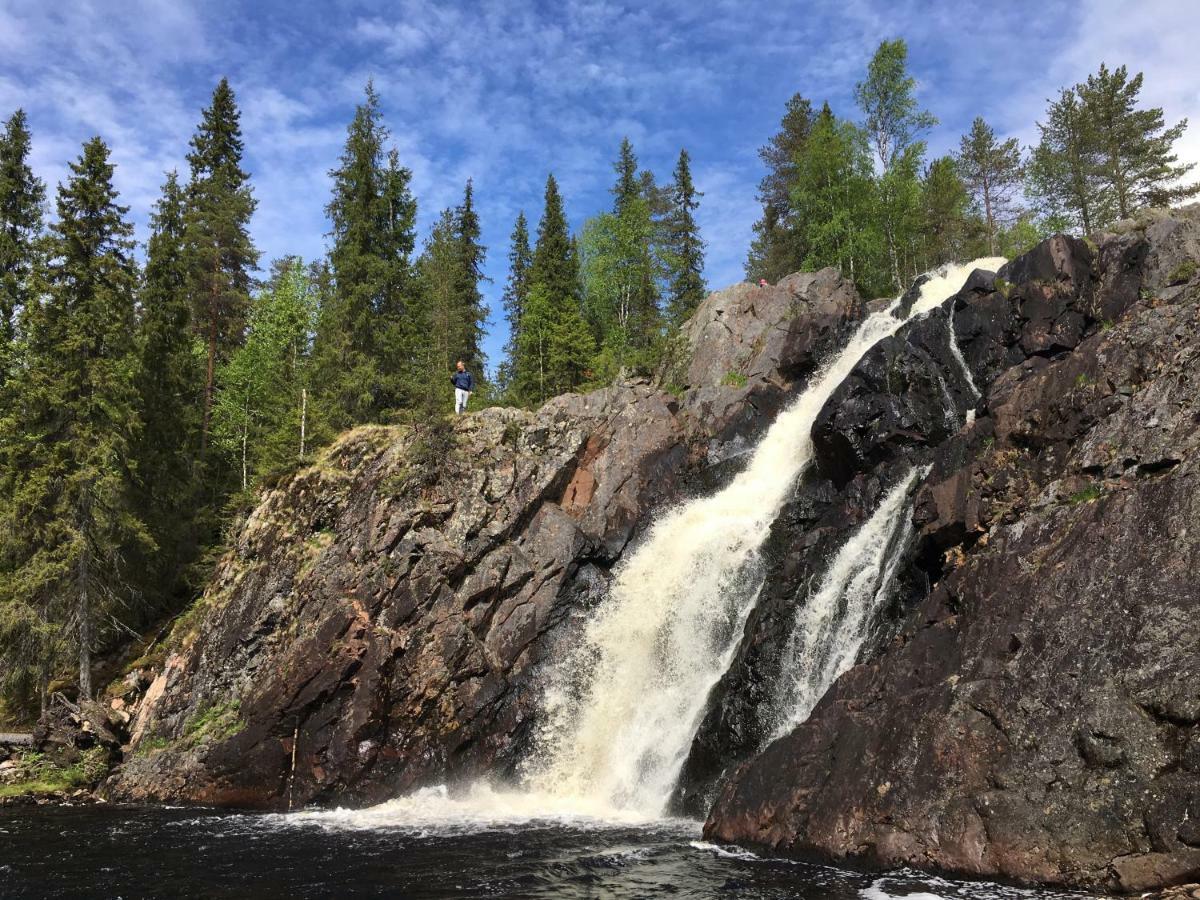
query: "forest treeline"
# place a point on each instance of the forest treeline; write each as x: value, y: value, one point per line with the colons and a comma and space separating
x: 144, y: 397
x: 860, y: 194
x: 141, y: 404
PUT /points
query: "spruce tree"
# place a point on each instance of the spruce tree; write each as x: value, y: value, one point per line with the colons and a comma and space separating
x: 219, y: 251
x: 1136, y: 161
x: 554, y: 346
x: 71, y: 519
x: 685, y: 246
x: 471, y: 312
x: 992, y: 171
x: 22, y: 196
x: 170, y: 385
x: 627, y: 187
x: 777, y: 249
x: 516, y: 293
x: 370, y: 331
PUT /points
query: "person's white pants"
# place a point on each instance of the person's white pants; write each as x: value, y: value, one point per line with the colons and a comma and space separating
x: 460, y: 400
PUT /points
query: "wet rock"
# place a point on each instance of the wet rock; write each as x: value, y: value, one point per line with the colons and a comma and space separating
x: 1035, y: 717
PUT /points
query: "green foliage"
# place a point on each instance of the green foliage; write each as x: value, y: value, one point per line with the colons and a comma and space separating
x: 992, y: 172
x: 553, y: 344
x: 22, y: 196
x: 734, y: 379
x: 1101, y: 158
x: 1087, y: 495
x: 371, y: 326
x: 778, y: 247
x: 218, y: 250
x: 262, y: 390
x: 450, y: 273
x: 213, y: 722
x: 1183, y: 272
x: 44, y: 775
x: 71, y: 520
x: 684, y: 250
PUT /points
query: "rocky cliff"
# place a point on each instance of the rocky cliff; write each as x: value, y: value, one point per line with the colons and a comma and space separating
x: 1025, y: 703
x: 382, y: 619
x: 1035, y: 713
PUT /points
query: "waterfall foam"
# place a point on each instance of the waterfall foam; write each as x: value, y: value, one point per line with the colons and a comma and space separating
x: 832, y: 625
x: 623, y: 706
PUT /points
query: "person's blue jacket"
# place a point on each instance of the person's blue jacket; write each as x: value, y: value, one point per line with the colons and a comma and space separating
x: 463, y: 380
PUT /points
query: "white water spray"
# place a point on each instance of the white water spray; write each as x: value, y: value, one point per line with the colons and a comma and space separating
x: 831, y: 627
x: 956, y: 352
x: 623, y: 708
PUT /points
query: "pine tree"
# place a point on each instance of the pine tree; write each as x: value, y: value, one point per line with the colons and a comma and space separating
x: 1061, y: 174
x: 685, y: 246
x: 169, y: 388
x: 516, y: 293
x: 1134, y: 145
x: 992, y: 171
x: 894, y: 124
x: 22, y: 197
x: 777, y: 250
x: 555, y: 264
x: 370, y: 330
x: 71, y: 520
x: 219, y: 250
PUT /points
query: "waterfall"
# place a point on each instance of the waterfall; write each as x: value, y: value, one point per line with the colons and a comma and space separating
x: 622, y: 708
x: 831, y: 627
x: 956, y: 352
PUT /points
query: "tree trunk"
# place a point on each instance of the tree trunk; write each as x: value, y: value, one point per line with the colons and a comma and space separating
x: 83, y: 615
x: 209, y: 378
x: 303, y: 417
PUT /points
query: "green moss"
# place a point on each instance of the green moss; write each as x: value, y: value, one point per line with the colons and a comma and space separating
x: 1107, y: 324
x: 152, y: 744
x: 1183, y: 272
x: 214, y: 722
x: 46, y: 776
x: 1087, y: 495
x: 1081, y: 380
x: 1004, y: 287
x: 734, y: 379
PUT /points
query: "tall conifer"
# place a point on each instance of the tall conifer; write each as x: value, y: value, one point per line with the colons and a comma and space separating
x: 685, y: 248
x: 220, y: 253
x: 72, y: 519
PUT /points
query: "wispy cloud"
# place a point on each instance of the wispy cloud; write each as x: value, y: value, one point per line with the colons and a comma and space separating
x: 506, y: 92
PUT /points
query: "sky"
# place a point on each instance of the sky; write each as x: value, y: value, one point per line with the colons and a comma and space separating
x: 505, y: 92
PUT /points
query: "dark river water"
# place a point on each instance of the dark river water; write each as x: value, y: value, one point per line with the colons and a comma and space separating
x: 163, y: 852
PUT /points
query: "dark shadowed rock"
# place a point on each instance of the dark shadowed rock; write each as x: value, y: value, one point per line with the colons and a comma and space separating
x: 1034, y: 716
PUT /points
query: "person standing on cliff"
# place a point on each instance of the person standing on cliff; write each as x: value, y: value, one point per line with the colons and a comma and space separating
x: 463, y: 385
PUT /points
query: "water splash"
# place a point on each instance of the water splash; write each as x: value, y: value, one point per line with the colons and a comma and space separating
x: 622, y: 708
x: 831, y: 627
x: 956, y: 352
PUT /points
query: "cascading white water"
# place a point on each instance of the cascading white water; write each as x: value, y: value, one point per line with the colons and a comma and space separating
x: 832, y: 625
x: 956, y: 352
x: 622, y: 709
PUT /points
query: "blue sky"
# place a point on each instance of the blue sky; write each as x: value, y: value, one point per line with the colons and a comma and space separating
x: 504, y: 92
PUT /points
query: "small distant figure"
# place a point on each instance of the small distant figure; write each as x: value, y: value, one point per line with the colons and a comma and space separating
x: 463, y: 385
x: 762, y: 282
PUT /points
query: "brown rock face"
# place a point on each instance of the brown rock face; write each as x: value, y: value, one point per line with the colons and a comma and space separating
x: 1036, y: 715
x: 380, y: 624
